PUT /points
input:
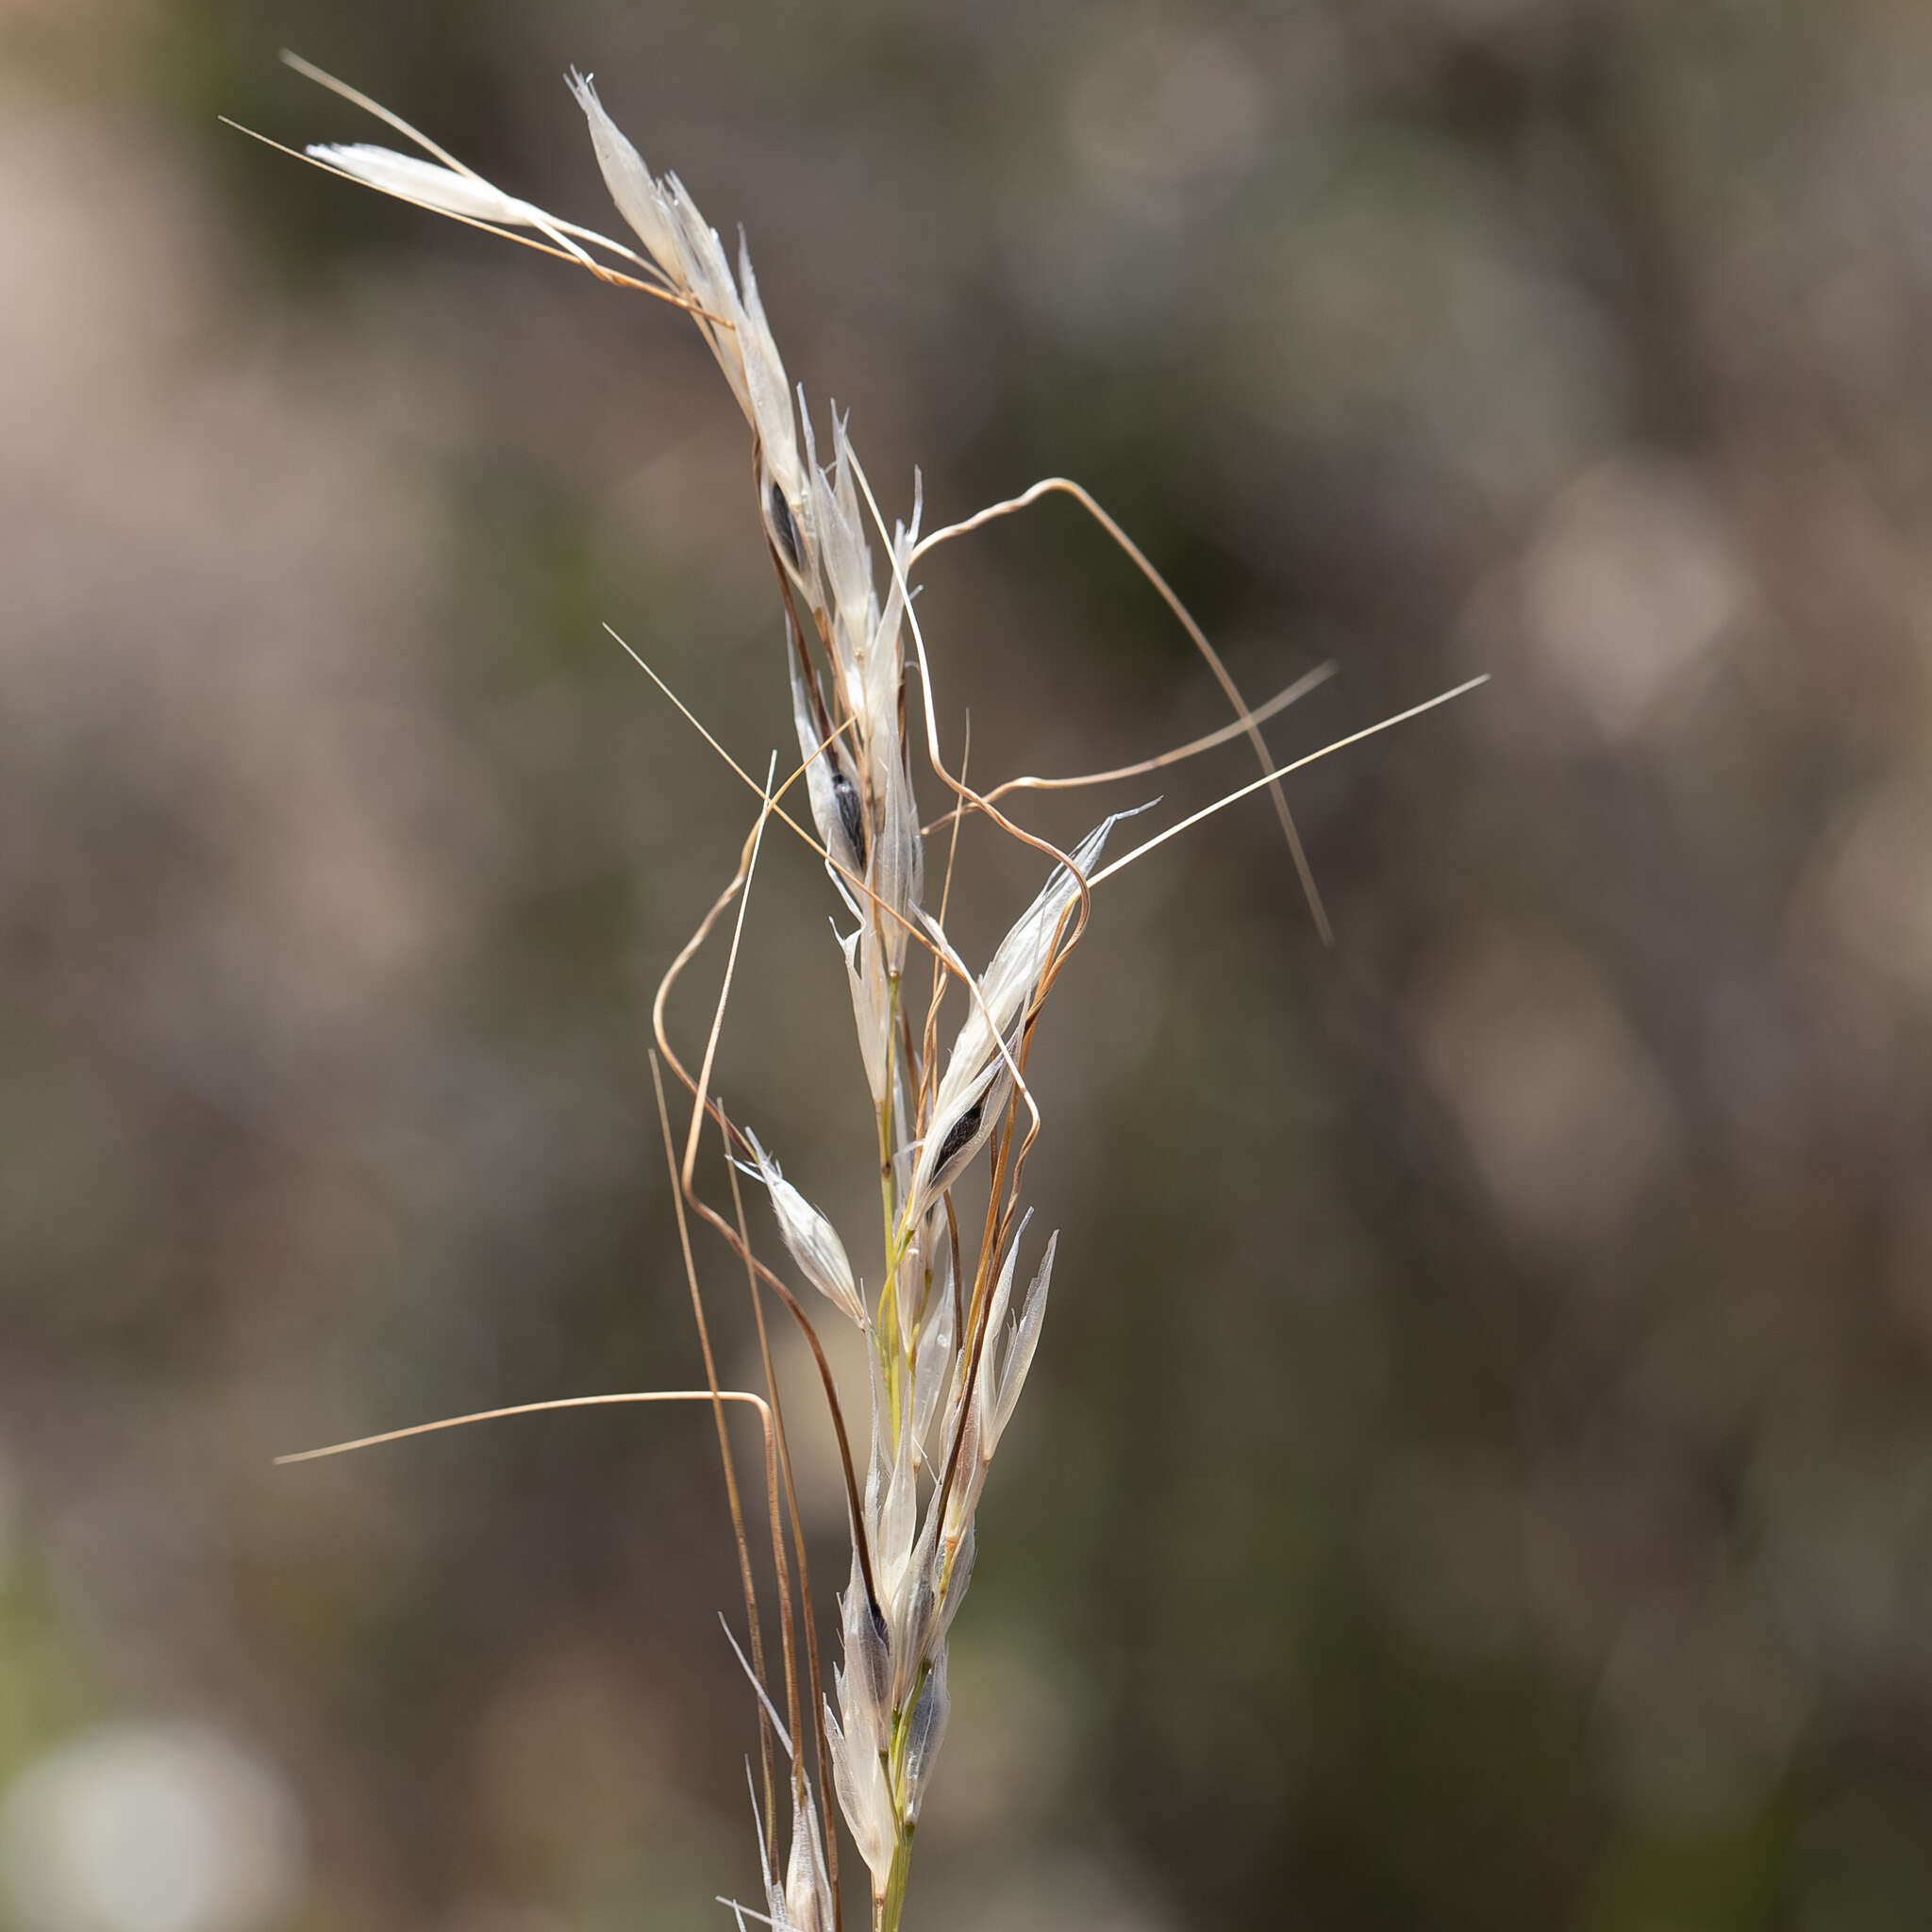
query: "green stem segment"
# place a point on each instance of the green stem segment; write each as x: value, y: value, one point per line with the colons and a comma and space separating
x: 892, y: 1339
x: 886, y: 1912
x: 892, y: 1903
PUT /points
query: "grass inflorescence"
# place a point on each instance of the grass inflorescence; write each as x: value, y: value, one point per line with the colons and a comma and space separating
x: 951, y: 1325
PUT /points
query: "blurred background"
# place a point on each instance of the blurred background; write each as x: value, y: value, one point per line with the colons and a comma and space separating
x: 1478, y: 1472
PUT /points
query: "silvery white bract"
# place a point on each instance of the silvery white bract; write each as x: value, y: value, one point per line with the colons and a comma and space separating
x: 810, y: 1237
x: 428, y: 183
x: 967, y: 1105
x: 730, y: 317
x: 800, y: 1900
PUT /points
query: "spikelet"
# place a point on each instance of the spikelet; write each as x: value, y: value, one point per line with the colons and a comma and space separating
x: 809, y: 1237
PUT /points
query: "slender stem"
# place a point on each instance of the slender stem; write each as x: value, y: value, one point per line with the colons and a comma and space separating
x: 886, y: 1913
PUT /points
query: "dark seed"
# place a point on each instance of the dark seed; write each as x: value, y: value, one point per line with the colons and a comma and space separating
x: 787, y: 529
x: 960, y: 1135
x: 845, y: 795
